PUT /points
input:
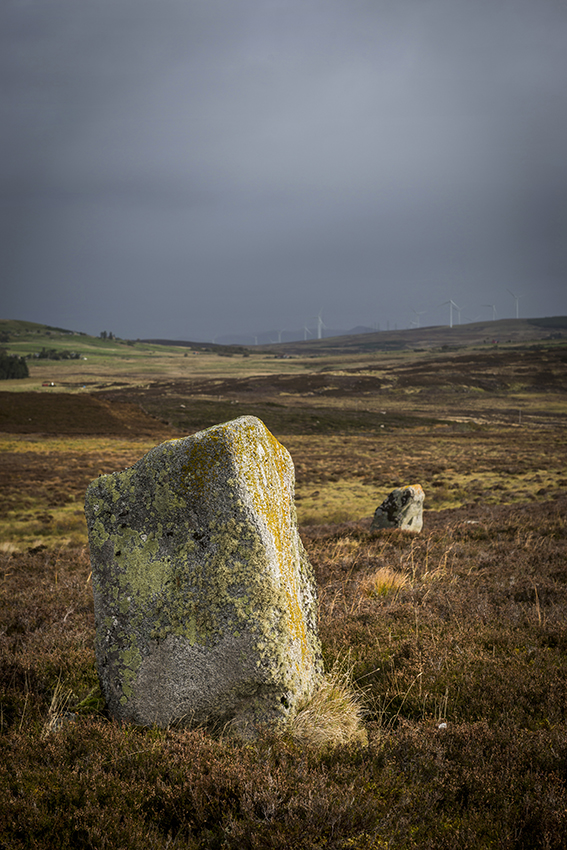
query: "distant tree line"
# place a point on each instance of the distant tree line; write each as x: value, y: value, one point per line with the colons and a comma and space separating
x: 53, y: 354
x: 230, y: 350
x: 12, y: 366
x: 107, y: 335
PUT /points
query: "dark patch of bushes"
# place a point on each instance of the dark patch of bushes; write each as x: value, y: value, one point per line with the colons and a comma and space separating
x: 12, y: 367
x: 54, y: 354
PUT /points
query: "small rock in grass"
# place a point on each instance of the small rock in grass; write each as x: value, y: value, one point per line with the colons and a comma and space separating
x: 403, y: 508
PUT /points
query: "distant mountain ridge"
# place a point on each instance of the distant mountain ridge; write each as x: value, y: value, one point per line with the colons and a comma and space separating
x: 472, y: 333
x: 274, y: 337
x: 361, y: 338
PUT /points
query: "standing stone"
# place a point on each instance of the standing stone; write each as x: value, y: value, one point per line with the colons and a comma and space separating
x: 403, y: 508
x: 205, y: 603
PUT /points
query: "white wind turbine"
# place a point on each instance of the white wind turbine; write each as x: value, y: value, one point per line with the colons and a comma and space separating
x: 516, y: 299
x: 306, y: 331
x: 452, y: 304
x: 419, y: 314
x: 320, y: 325
x: 493, y: 310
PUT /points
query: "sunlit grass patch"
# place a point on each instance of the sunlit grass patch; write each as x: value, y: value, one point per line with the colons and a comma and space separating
x: 382, y: 582
x: 335, y: 501
x: 334, y: 714
x: 51, y: 527
x: 42, y: 445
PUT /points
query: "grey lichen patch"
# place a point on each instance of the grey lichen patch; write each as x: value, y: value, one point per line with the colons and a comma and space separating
x: 131, y: 661
x: 198, y: 568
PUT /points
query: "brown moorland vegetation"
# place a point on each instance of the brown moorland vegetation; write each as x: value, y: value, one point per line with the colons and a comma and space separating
x: 455, y: 639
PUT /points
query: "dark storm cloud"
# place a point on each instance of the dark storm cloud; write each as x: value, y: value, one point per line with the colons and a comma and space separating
x: 194, y: 168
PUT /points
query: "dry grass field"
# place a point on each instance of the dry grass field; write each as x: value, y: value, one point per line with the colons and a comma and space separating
x: 453, y: 640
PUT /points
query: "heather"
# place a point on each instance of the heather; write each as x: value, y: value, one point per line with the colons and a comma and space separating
x: 455, y: 642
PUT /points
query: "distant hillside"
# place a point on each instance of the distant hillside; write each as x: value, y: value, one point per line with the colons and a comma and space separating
x: 10, y: 328
x: 197, y: 346
x: 284, y: 336
x: 357, y: 340
x: 474, y: 333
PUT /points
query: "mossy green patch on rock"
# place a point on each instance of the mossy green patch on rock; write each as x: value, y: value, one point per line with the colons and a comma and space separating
x: 204, y: 598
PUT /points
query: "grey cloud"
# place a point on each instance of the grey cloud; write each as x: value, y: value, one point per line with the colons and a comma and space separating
x: 260, y: 158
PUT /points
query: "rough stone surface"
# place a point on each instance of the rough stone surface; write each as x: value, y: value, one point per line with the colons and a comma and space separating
x: 403, y: 508
x: 205, y: 604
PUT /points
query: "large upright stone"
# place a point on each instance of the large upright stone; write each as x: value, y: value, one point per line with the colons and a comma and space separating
x: 403, y: 508
x: 205, y: 605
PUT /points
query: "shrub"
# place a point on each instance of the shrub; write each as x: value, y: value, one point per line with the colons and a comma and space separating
x: 12, y: 366
x: 54, y: 354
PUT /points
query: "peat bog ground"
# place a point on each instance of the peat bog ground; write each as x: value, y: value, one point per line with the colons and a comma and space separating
x: 455, y: 639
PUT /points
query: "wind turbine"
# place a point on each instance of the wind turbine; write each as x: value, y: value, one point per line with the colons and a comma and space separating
x: 452, y: 304
x: 517, y: 299
x: 280, y: 335
x: 306, y: 331
x: 320, y: 325
x: 493, y: 310
x: 418, y: 313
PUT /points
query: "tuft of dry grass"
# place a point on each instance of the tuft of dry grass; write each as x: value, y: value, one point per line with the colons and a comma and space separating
x: 58, y: 712
x: 334, y: 714
x: 382, y: 582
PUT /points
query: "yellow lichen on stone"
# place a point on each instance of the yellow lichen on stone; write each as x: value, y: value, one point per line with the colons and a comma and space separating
x: 268, y: 472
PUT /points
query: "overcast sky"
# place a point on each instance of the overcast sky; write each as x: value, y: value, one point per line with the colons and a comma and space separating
x: 192, y: 168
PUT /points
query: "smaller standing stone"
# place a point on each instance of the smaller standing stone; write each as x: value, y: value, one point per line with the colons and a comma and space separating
x: 403, y: 508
